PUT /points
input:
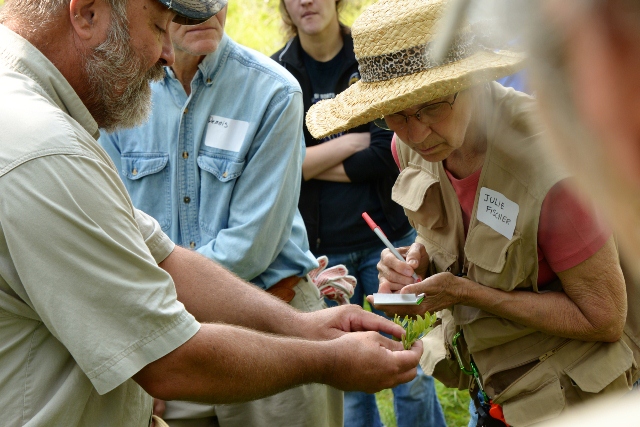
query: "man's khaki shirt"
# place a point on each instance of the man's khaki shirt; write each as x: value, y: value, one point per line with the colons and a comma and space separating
x: 83, y: 304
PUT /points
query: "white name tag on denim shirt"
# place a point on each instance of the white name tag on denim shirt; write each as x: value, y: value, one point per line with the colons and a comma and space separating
x: 498, y: 212
x: 226, y: 134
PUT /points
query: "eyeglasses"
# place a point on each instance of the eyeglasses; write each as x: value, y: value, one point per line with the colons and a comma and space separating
x: 427, y: 115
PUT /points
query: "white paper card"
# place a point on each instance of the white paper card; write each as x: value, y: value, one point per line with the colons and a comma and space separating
x: 226, y: 134
x: 498, y: 212
x: 397, y: 299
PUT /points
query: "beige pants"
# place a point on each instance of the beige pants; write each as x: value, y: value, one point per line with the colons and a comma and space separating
x: 310, y: 405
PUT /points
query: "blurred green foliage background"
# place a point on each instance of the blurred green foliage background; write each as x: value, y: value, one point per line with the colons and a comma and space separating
x: 257, y: 23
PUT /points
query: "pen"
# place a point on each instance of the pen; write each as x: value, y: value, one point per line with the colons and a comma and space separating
x: 376, y: 229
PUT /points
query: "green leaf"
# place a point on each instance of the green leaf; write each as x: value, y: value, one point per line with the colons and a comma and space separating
x: 414, y: 329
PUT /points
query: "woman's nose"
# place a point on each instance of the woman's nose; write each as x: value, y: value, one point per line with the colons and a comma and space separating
x: 416, y: 131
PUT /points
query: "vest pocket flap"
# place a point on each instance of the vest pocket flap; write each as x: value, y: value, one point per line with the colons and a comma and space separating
x: 435, y: 342
x: 411, y: 187
x: 136, y: 166
x: 489, y: 249
x: 418, y: 192
x: 222, y: 168
x: 541, y: 404
x: 600, y: 365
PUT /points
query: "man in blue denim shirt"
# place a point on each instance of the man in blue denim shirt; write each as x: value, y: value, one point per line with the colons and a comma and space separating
x: 218, y: 165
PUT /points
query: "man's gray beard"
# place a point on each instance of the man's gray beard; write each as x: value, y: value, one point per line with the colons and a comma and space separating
x: 119, y: 81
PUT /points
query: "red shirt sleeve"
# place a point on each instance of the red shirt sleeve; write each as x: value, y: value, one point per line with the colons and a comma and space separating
x: 570, y: 230
x: 394, y: 151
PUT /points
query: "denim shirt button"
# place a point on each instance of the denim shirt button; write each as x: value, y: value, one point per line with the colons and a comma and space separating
x: 224, y: 175
x: 185, y: 155
x: 186, y: 110
x: 187, y: 199
x: 134, y: 172
x: 192, y: 245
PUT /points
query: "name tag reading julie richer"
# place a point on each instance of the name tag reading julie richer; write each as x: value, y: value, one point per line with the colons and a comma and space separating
x: 498, y: 212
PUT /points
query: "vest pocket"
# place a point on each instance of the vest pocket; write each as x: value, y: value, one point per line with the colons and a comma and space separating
x: 541, y: 404
x: 601, y: 366
x: 147, y: 179
x: 438, y: 358
x: 488, y: 252
x: 418, y: 192
x: 581, y: 370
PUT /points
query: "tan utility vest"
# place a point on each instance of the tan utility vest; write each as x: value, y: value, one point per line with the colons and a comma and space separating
x: 532, y: 374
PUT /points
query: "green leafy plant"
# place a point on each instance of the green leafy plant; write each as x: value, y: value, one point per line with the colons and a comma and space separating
x: 415, y: 328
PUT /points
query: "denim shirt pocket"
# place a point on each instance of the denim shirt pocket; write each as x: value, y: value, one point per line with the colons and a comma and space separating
x: 147, y: 179
x: 218, y: 178
x: 222, y: 167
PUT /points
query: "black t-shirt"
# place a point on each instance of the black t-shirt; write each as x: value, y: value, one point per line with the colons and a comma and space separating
x: 342, y: 228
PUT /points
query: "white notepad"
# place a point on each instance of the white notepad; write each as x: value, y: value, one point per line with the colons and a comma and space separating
x: 397, y: 299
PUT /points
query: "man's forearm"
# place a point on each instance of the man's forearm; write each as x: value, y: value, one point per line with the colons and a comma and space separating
x: 213, y: 294
x: 224, y: 364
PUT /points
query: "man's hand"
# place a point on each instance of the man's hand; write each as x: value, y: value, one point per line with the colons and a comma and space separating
x: 395, y: 274
x: 334, y: 322
x: 367, y: 361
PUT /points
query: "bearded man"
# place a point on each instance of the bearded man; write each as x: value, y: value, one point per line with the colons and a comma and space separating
x: 90, y: 325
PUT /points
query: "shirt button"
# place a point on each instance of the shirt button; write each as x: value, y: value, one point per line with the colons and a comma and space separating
x: 185, y: 155
x: 187, y: 199
x: 192, y: 245
x: 208, y: 80
x: 134, y: 172
x: 224, y: 175
x: 186, y: 110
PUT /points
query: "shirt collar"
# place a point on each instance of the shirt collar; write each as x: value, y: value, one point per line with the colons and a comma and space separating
x: 210, y: 64
x: 19, y: 55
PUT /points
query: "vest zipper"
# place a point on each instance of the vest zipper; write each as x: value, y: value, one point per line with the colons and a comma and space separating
x: 551, y: 352
x: 540, y: 358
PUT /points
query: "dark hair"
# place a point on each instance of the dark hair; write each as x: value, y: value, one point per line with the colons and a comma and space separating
x: 291, y: 30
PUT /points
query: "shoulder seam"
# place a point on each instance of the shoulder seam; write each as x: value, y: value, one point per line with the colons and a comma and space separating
x: 67, y: 151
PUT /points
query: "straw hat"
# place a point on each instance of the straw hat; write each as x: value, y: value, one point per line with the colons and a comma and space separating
x: 392, y: 41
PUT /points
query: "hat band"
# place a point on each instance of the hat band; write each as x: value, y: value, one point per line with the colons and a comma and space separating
x: 413, y: 60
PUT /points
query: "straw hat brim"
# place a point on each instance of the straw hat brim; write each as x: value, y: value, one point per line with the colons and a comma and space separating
x: 363, y: 102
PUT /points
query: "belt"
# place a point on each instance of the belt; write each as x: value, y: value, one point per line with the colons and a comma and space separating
x: 284, y: 288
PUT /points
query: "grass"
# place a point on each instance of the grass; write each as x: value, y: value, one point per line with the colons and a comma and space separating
x: 455, y: 405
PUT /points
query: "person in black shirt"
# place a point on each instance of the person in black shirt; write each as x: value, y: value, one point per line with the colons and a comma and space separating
x: 345, y: 175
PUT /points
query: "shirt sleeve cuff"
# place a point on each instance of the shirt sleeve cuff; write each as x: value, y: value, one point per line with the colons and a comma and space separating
x: 159, y: 244
x: 157, y: 344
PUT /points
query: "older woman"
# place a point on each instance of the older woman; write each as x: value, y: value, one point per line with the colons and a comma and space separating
x: 526, y: 281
